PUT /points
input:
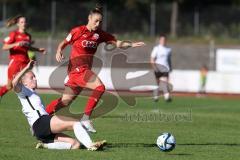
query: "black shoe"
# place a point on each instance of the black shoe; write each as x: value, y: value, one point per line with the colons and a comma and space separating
x: 155, y: 100
x: 168, y: 100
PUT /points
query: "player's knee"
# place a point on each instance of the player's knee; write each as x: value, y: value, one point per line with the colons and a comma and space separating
x: 101, y: 88
x: 75, y: 145
x: 66, y: 102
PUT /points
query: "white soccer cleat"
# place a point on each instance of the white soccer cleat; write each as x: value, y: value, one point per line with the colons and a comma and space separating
x: 155, y: 99
x: 87, y: 124
x: 39, y: 145
x: 98, y: 145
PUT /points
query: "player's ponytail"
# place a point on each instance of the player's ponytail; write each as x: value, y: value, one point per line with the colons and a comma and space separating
x: 12, y: 21
x: 97, y: 10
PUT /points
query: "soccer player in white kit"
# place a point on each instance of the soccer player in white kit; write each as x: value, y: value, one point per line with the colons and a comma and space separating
x: 161, y: 63
x: 48, y: 129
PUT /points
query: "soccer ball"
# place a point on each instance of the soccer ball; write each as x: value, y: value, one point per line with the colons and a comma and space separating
x: 166, y: 142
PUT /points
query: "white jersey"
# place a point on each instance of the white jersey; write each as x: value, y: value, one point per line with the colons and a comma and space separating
x: 161, y: 54
x: 32, y: 106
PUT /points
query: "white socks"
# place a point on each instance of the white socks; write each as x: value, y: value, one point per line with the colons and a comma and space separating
x: 164, y: 87
x: 156, y: 93
x: 166, y: 96
x: 85, y: 117
x: 57, y: 145
x: 82, y: 135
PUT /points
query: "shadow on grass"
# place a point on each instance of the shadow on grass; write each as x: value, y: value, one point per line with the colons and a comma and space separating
x: 112, y: 116
x: 143, y: 145
x: 129, y: 145
x: 179, y: 154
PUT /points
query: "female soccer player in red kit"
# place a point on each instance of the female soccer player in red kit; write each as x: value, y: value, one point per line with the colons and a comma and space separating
x: 18, y: 43
x: 84, y: 40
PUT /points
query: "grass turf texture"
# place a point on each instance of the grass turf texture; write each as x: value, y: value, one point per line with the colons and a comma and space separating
x: 205, y: 128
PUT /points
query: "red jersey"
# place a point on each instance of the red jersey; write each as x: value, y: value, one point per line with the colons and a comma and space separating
x: 84, y: 45
x: 19, y: 52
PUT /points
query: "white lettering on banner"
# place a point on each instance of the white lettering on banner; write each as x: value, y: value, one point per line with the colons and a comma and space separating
x: 89, y: 44
x: 228, y: 60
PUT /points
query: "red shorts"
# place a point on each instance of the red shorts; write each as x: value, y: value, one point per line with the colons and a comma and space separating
x: 14, y: 67
x: 78, y: 78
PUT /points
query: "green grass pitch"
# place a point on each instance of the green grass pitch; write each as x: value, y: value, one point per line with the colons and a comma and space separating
x: 204, y: 128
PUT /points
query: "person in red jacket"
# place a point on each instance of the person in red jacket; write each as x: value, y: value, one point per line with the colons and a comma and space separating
x: 18, y: 42
x: 84, y: 41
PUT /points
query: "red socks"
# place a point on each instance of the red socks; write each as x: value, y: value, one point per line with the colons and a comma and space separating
x: 54, y: 105
x: 93, y: 99
x: 91, y: 103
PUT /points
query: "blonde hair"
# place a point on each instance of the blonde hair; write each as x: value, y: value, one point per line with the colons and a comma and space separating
x: 24, y: 75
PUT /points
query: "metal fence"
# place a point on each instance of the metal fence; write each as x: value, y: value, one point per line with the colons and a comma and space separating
x: 147, y: 19
x: 57, y: 18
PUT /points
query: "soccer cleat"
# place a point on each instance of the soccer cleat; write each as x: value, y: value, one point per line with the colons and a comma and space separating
x: 92, y: 148
x: 155, y: 98
x: 39, y: 145
x: 98, y: 145
x: 168, y: 100
x: 87, y: 124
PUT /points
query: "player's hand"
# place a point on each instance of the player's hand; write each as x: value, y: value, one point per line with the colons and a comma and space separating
x: 30, y: 64
x: 59, y: 56
x: 43, y: 50
x: 138, y: 44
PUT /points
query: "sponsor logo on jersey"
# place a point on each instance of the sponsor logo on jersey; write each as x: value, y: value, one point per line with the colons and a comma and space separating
x: 89, y: 44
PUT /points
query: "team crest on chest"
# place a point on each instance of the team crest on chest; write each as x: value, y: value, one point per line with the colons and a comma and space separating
x: 95, y: 36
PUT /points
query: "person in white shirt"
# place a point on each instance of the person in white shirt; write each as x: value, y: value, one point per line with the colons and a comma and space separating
x: 48, y: 128
x: 161, y: 63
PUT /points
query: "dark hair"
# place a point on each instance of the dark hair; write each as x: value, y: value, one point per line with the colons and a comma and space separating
x: 204, y: 66
x: 163, y: 35
x: 97, y: 10
x: 14, y: 20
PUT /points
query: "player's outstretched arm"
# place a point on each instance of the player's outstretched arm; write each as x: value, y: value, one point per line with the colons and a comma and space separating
x: 138, y: 44
x: 18, y: 77
x: 127, y: 44
x: 153, y: 64
x: 41, y: 50
x: 59, y: 54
